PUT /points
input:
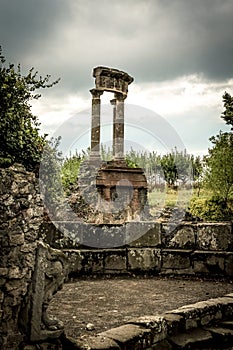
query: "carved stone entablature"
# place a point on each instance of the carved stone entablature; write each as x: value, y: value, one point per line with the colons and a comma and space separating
x: 111, y: 79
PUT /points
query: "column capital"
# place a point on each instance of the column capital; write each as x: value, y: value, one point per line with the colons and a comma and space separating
x: 96, y: 93
x: 120, y: 97
x: 113, y: 102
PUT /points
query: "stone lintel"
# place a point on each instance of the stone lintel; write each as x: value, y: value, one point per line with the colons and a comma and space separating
x: 112, y: 80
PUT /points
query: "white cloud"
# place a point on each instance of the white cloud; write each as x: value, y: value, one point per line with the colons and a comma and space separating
x: 171, y: 98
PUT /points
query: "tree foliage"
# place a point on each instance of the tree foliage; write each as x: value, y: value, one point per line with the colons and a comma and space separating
x: 179, y: 167
x: 19, y: 128
x: 219, y: 166
x: 169, y: 168
x: 227, y: 114
x: 218, y: 174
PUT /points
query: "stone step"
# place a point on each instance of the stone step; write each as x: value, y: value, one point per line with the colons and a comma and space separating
x: 197, y: 338
x: 221, y: 335
x: 226, y: 324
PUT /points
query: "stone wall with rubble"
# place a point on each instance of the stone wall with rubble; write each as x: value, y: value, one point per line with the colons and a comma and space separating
x: 191, y: 248
x: 27, y: 266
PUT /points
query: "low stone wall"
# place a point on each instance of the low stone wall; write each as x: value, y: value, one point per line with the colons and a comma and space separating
x: 151, y: 261
x: 191, y: 248
x: 203, y: 325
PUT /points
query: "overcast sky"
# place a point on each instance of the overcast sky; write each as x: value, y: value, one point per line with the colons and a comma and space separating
x: 180, y: 53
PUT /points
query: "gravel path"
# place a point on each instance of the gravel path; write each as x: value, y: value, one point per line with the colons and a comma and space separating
x: 110, y: 302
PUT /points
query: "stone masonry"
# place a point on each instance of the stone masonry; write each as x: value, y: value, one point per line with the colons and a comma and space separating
x: 30, y: 271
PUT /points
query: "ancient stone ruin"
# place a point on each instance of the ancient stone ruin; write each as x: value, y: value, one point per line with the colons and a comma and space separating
x: 35, y: 259
x: 31, y: 272
x: 122, y: 190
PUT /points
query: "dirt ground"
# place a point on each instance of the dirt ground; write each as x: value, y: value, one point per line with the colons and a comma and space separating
x: 103, y: 303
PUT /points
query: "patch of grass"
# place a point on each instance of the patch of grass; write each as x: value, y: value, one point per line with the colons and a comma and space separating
x: 181, y: 198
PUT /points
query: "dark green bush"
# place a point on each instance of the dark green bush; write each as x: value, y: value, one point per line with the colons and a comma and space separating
x: 213, y: 209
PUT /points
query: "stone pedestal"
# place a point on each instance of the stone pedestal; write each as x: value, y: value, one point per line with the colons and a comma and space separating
x: 125, y: 190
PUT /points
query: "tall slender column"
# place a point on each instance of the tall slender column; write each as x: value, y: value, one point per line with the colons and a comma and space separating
x: 95, y: 124
x: 113, y: 103
x: 118, y: 138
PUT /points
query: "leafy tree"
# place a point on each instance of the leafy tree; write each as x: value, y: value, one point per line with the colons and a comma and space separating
x: 184, y: 165
x: 197, y: 172
x: 169, y: 168
x: 219, y: 166
x: 19, y: 128
x: 227, y: 115
x: 177, y: 165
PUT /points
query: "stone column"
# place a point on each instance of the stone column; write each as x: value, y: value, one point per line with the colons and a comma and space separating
x: 118, y: 133
x: 113, y: 103
x: 95, y: 124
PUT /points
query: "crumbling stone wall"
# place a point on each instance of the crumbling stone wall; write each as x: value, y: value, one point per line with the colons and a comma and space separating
x: 30, y: 271
x: 20, y: 216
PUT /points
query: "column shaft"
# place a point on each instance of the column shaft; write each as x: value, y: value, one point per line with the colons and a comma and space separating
x: 95, y: 124
x: 113, y: 103
x: 118, y: 134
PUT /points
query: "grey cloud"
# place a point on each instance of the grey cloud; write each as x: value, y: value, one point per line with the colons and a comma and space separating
x: 151, y: 39
x: 24, y: 23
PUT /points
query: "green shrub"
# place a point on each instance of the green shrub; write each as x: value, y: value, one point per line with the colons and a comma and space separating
x: 213, y: 209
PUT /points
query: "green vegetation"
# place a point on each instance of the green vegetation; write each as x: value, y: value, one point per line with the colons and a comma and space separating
x: 19, y: 128
x: 70, y: 168
x: 227, y: 115
x: 218, y: 174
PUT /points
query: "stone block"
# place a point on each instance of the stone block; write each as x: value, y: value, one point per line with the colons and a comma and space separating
x: 229, y: 264
x: 103, y: 236
x: 75, y: 258
x: 97, y: 261
x: 183, y: 237
x: 3, y: 271
x: 130, y: 336
x: 175, y: 323
x: 16, y: 239
x: 200, y: 313
x: 209, y: 262
x: 143, y: 260
x: 214, y: 236
x: 16, y: 273
x: 156, y: 324
x: 162, y: 345
x: 176, y: 259
x: 115, y: 261
x: 98, y: 342
x: 226, y: 305
x: 221, y: 335
x: 82, y: 261
x: 197, y: 338
x: 143, y: 234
